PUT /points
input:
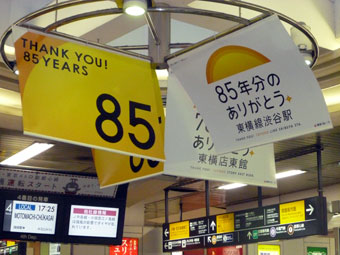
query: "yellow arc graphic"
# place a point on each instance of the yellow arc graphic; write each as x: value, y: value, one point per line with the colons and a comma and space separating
x: 231, y: 60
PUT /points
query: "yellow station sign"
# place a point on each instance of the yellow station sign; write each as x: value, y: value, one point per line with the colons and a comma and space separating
x: 179, y: 230
x: 225, y: 223
x: 88, y: 96
x: 268, y: 249
x: 292, y: 212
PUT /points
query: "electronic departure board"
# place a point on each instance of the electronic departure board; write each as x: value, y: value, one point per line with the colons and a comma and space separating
x: 30, y: 217
x: 76, y: 211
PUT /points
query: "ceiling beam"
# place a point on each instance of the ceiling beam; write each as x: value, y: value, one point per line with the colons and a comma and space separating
x: 327, y: 69
x: 8, y: 80
x: 11, y: 122
x: 337, y: 18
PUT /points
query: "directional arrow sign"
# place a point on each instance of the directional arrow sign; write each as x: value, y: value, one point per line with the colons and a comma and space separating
x: 166, y: 232
x: 310, y: 209
x: 268, y: 223
x: 213, y: 225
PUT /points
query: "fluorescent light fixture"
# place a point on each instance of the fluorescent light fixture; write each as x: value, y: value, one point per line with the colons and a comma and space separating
x: 27, y: 153
x: 288, y: 174
x: 162, y: 74
x: 135, y: 7
x: 232, y: 186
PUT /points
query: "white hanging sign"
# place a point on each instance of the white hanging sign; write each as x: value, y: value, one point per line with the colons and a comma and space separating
x: 190, y: 151
x: 252, y: 87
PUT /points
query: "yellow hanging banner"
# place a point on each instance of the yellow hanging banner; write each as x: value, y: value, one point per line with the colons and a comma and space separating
x: 88, y: 96
x: 114, y: 168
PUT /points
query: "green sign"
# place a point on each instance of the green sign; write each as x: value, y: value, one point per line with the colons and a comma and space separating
x: 316, y: 251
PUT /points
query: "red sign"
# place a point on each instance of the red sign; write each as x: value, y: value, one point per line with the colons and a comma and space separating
x: 129, y: 247
x: 228, y: 250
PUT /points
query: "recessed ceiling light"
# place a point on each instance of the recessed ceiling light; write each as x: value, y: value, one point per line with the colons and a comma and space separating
x: 232, y: 186
x: 289, y: 173
x: 27, y: 153
x: 135, y: 7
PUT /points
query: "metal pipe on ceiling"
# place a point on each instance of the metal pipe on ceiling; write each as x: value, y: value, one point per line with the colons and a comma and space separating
x: 243, y: 22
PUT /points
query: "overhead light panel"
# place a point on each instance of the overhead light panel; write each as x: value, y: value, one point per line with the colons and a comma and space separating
x: 162, y: 74
x: 27, y: 153
x: 232, y: 186
x: 289, y: 174
x: 135, y: 7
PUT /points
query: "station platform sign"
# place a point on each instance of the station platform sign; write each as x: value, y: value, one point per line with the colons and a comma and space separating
x: 279, y: 221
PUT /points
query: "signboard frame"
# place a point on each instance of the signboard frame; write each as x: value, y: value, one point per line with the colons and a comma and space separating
x: 13, y: 195
x: 64, y: 202
x: 248, y: 226
x: 89, y: 239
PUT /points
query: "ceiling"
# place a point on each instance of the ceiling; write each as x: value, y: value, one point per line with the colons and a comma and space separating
x: 321, y: 15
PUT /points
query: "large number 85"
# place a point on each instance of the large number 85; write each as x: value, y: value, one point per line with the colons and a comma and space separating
x: 136, y: 168
x: 134, y: 121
